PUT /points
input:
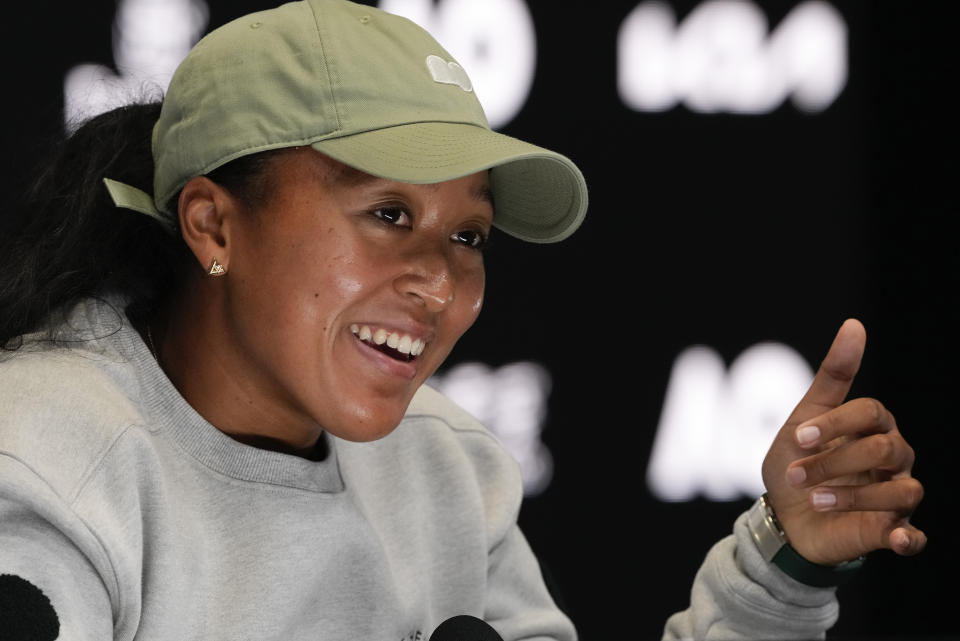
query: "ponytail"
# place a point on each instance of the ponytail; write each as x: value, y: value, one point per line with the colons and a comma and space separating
x: 70, y: 242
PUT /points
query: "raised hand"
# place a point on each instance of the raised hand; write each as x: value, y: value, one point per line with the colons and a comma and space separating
x: 838, y: 473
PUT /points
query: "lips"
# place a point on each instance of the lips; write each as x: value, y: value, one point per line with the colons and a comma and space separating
x: 397, y: 345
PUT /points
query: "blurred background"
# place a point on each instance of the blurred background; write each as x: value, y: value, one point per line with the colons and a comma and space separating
x: 759, y: 172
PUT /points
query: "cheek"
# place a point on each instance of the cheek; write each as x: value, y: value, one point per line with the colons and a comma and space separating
x: 348, y: 283
x: 342, y: 275
x: 470, y: 296
x: 331, y: 293
x: 340, y: 278
x: 298, y: 287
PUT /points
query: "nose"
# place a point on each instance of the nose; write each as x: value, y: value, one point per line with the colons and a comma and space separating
x: 428, y: 278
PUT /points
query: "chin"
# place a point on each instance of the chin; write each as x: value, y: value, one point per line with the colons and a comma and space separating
x: 367, y: 435
x: 367, y: 425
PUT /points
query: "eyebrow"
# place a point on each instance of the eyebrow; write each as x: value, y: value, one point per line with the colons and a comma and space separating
x: 340, y: 173
x: 484, y: 194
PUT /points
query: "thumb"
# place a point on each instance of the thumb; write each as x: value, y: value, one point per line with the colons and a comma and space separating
x: 832, y: 382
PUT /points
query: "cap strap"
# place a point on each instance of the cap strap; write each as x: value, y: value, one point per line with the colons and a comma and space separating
x: 128, y: 197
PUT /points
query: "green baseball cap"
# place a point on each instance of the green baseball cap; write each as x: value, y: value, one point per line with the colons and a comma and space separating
x: 370, y: 89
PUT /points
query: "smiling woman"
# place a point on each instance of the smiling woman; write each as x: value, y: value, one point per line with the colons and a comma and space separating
x: 219, y: 313
x: 277, y: 346
x: 218, y: 316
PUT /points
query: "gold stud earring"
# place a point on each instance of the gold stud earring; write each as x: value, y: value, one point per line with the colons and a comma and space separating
x: 216, y: 269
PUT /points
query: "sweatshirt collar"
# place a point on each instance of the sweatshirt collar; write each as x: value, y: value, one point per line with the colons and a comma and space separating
x: 172, y: 416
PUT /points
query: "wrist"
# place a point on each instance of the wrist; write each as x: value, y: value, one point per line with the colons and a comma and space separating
x: 775, y: 547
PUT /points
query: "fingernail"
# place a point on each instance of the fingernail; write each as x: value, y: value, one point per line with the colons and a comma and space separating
x: 796, y: 475
x: 902, y: 540
x: 823, y: 498
x: 808, y: 435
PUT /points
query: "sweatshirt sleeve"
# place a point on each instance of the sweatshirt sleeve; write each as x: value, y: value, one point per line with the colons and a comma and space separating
x: 51, y: 565
x: 738, y: 595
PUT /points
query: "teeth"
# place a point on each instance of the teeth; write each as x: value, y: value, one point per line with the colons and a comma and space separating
x: 403, y: 343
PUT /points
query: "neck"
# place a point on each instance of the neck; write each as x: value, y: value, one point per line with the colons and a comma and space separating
x: 209, y: 367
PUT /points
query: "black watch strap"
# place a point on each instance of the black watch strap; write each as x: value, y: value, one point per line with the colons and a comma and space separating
x: 772, y: 542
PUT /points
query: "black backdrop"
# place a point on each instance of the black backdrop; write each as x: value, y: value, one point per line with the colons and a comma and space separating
x: 715, y: 229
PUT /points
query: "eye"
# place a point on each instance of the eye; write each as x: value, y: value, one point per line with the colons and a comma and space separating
x: 392, y: 216
x: 471, y: 238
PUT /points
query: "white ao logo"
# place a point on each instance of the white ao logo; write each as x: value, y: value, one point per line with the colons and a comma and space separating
x: 721, y: 58
x: 448, y: 73
x: 717, y: 424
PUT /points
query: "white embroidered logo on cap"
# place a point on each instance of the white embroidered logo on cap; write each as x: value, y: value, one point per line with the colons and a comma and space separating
x: 449, y: 73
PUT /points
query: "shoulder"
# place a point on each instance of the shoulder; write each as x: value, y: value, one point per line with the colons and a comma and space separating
x: 430, y: 405
x: 63, y: 409
x: 433, y: 416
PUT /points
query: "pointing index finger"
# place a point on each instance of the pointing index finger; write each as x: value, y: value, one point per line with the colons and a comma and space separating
x: 839, y: 367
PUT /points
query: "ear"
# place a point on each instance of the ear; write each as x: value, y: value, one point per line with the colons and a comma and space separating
x: 207, y: 212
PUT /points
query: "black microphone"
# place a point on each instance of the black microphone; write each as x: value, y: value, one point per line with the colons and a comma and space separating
x: 465, y: 628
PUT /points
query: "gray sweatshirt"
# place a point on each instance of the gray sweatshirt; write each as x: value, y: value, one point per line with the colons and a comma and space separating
x: 125, y: 515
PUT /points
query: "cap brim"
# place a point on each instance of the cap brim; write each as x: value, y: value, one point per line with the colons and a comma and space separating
x: 539, y: 195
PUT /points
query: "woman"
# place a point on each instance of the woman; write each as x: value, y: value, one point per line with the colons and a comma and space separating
x: 215, y: 424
